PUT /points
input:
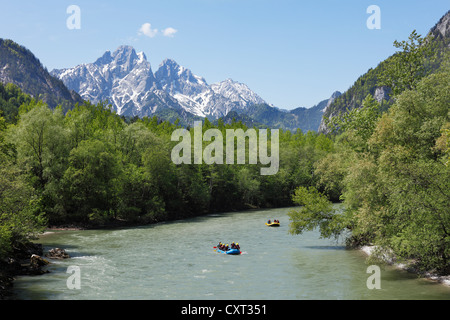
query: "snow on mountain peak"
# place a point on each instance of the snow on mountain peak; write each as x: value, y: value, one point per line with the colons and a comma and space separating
x: 237, y: 92
x: 126, y: 80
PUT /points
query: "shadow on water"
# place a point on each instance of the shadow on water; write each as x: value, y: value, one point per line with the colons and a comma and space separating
x: 325, y: 247
x: 190, y: 220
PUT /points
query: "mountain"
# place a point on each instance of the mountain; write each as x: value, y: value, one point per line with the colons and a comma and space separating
x: 191, y: 91
x: 369, y: 82
x: 306, y: 119
x: 441, y: 30
x: 237, y: 92
x: 310, y: 119
x: 234, y: 116
x: 20, y: 67
x: 125, y: 78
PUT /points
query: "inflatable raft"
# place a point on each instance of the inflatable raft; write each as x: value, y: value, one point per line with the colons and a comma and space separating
x: 273, y: 224
x: 230, y: 251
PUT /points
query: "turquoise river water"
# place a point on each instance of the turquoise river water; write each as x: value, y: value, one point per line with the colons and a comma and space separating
x: 176, y: 260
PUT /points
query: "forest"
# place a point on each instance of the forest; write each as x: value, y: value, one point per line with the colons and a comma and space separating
x: 90, y: 167
x: 389, y: 167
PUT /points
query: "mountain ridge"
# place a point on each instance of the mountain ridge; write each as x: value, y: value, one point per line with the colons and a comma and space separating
x: 125, y: 78
x: 21, y: 67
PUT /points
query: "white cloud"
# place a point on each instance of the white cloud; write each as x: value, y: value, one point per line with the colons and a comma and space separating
x: 146, y: 29
x: 169, y: 32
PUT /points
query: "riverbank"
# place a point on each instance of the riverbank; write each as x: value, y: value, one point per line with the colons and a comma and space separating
x: 408, y: 266
x: 24, y: 260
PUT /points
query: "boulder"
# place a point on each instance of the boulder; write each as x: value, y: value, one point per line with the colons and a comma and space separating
x: 57, y: 253
x: 36, y: 262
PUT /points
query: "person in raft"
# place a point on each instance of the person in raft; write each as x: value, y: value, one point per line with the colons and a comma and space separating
x: 235, y: 246
x: 226, y: 247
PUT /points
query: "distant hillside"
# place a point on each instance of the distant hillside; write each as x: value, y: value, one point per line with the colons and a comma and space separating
x: 310, y: 118
x: 353, y: 97
x: 305, y: 119
x: 234, y: 116
x: 19, y: 66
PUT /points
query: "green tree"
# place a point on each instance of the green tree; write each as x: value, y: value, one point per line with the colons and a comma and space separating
x: 21, y: 218
x: 248, y: 186
x: 92, y: 182
x: 316, y: 211
x: 11, y: 98
x: 40, y: 140
x: 138, y: 198
x: 358, y: 124
x: 396, y: 192
x: 408, y: 66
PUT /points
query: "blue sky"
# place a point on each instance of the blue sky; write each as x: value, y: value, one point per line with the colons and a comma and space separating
x: 292, y: 53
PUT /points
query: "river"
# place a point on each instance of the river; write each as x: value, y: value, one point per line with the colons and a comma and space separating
x: 176, y: 260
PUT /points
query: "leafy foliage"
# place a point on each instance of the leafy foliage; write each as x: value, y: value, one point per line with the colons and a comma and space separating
x: 91, y: 167
x: 391, y: 169
x: 417, y: 58
x: 406, y: 68
x: 316, y: 211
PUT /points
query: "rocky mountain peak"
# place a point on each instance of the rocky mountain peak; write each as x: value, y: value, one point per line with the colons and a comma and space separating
x: 335, y: 95
x: 442, y: 28
x: 322, y: 127
x: 125, y: 59
x: 126, y: 80
x: 124, y: 53
x: 237, y: 92
x: 176, y: 78
x: 105, y: 59
x: 169, y: 64
x: 191, y: 91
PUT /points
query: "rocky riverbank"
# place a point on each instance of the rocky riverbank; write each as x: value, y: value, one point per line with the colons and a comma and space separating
x: 28, y: 259
x: 409, y: 266
x: 25, y: 260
